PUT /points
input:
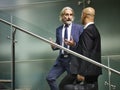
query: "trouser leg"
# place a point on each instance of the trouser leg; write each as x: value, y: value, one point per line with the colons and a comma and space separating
x: 68, y: 79
x: 86, y: 86
x: 54, y: 73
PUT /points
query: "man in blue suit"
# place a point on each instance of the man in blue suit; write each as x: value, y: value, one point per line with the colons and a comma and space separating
x: 63, y: 61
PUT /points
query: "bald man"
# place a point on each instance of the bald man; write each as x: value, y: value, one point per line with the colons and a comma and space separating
x: 89, y: 45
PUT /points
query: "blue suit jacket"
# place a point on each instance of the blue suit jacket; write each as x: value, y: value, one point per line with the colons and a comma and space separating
x: 76, y: 31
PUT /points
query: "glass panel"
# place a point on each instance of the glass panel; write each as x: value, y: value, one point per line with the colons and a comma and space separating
x: 33, y: 57
x: 110, y: 80
x: 115, y: 78
x: 104, y: 78
x: 5, y: 52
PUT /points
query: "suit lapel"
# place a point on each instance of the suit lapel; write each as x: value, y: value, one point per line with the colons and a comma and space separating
x: 60, y: 34
x: 72, y: 30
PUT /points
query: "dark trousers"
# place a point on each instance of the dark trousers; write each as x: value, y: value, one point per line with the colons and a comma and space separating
x: 69, y: 83
x: 84, y: 86
x: 68, y: 79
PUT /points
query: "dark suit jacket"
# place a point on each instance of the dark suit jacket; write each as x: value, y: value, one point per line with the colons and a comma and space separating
x: 75, y: 33
x: 90, y: 46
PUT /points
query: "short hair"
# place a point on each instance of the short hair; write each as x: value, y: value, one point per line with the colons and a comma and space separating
x: 63, y: 12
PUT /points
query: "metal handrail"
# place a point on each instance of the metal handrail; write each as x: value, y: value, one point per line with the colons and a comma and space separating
x: 5, y: 81
x: 67, y: 50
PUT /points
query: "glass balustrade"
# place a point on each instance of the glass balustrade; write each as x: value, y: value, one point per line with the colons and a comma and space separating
x: 33, y: 57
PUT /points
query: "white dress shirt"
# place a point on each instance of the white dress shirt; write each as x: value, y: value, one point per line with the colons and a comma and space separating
x: 69, y: 34
x: 88, y: 24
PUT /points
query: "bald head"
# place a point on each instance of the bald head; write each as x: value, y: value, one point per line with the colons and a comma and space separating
x: 89, y: 11
x: 87, y: 16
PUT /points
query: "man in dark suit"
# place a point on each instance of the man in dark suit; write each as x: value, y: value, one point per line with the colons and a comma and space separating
x: 89, y: 45
x: 73, y: 32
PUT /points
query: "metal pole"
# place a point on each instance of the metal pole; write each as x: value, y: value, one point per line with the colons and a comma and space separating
x: 109, y: 74
x: 13, y: 59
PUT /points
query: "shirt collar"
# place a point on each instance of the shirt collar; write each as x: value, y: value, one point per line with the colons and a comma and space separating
x: 68, y: 25
x: 88, y: 24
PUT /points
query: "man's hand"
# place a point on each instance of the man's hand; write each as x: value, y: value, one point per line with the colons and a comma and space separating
x: 52, y: 46
x: 70, y: 43
x: 80, y: 78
